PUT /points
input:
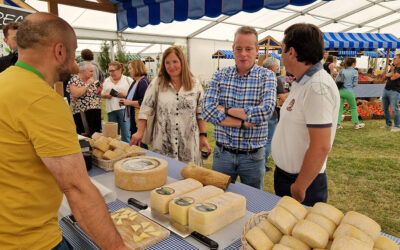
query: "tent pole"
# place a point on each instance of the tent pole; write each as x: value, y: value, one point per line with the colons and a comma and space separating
x: 218, y: 63
x: 387, y: 60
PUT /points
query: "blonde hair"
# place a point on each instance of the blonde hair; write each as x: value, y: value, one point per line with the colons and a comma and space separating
x: 186, y: 76
x: 118, y: 65
x: 139, y: 69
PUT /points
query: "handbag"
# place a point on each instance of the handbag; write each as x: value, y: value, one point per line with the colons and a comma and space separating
x: 148, y: 132
x: 340, y: 80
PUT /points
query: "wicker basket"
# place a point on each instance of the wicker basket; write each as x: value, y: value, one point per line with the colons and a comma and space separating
x: 254, y: 220
x: 108, y: 165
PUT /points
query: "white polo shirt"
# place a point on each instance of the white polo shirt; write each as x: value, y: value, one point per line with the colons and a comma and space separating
x: 313, y: 102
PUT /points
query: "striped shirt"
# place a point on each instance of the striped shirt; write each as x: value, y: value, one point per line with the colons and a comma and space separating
x: 229, y: 89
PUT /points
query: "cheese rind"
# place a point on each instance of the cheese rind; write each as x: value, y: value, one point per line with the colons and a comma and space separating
x: 270, y: 230
x: 294, y: 243
x: 348, y: 243
x: 293, y: 206
x: 345, y: 229
x: 215, y: 213
x: 160, y: 197
x: 258, y: 239
x: 364, y: 223
x: 282, y: 219
x: 328, y: 211
x: 385, y: 243
x: 324, y: 222
x: 311, y: 233
x: 179, y: 207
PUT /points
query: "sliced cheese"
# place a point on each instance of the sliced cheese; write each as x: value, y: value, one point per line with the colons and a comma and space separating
x: 132, y: 217
x: 328, y: 211
x: 144, y: 235
x: 270, y: 230
x: 140, y: 173
x: 364, y: 223
x: 294, y: 243
x: 282, y: 219
x: 293, y: 206
x: 213, y: 214
x: 149, y: 229
x: 126, y: 212
x: 135, y: 227
x: 311, y: 233
x: 324, y: 222
x: 179, y: 207
x: 384, y: 243
x: 348, y: 230
x: 145, y: 224
x: 136, y: 238
x: 281, y: 247
x: 114, y: 216
x: 160, y: 197
x: 119, y: 222
x: 258, y: 239
x: 156, y: 233
x: 123, y: 216
x: 348, y: 243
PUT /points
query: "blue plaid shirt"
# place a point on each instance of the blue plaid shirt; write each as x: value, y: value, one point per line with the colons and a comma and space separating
x: 229, y: 89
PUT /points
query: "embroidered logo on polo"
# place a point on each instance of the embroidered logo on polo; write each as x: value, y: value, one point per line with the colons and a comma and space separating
x: 290, y: 105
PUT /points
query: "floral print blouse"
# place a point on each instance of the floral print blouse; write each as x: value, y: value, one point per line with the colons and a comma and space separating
x: 90, y: 100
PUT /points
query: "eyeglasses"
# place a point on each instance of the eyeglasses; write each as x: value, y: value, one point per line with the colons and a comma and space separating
x: 112, y: 70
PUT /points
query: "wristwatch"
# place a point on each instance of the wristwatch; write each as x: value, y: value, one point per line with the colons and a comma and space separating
x: 242, y: 126
x: 226, y: 112
x: 203, y: 134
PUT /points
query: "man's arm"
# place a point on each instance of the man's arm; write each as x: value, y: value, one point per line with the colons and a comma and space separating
x: 395, y: 75
x: 86, y: 203
x: 314, y: 158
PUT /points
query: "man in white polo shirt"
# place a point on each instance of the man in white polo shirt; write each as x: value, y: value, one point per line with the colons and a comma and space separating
x: 307, y: 126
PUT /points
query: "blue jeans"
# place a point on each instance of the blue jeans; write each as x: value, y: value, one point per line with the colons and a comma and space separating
x: 123, y: 127
x: 249, y: 167
x: 391, y: 97
x: 271, y: 129
x: 63, y: 245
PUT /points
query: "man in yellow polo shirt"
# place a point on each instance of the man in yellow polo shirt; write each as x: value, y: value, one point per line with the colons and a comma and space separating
x: 40, y: 154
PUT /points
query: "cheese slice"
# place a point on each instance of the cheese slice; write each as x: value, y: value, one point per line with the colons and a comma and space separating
x: 281, y: 247
x: 160, y: 197
x: 145, y: 224
x: 136, y: 238
x: 115, y: 216
x: 132, y: 218
x: 311, y: 233
x: 144, y: 236
x: 328, y: 211
x: 140, y: 173
x: 282, y: 219
x: 324, y: 222
x: 294, y: 243
x: 385, y: 243
x: 119, y: 222
x: 179, y: 207
x: 213, y: 214
x: 258, y: 239
x: 293, y: 206
x: 364, y: 223
x: 135, y: 227
x: 348, y: 230
x: 149, y: 229
x: 156, y: 233
x: 270, y: 230
x: 348, y: 243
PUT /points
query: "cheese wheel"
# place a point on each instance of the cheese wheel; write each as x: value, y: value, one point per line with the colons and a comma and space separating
x: 293, y: 206
x: 281, y: 247
x: 179, y: 207
x: 115, y: 144
x: 348, y: 230
x: 140, y: 173
x: 364, y: 223
x: 97, y: 153
x: 348, y: 243
x: 258, y: 239
x: 160, y: 197
x: 384, y: 243
x: 102, y: 144
x: 324, y: 222
x: 294, y: 243
x: 213, y: 214
x: 109, y: 155
x: 328, y: 211
x: 282, y: 219
x: 311, y: 233
x: 270, y: 230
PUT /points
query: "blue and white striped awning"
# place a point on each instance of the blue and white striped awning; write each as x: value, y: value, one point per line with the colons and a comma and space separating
x: 391, y: 55
x: 364, y: 41
x: 228, y: 54
x: 132, y: 13
x: 347, y: 53
x: 380, y: 54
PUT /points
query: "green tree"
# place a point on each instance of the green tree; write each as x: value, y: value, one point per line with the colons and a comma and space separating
x: 124, y: 59
x: 104, y: 57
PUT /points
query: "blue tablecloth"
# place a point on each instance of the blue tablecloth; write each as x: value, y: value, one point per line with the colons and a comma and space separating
x: 369, y: 90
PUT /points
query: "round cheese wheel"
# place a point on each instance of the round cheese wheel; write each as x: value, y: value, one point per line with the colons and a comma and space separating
x: 348, y: 243
x: 324, y: 222
x: 364, y: 223
x: 311, y: 233
x: 293, y: 206
x: 383, y: 242
x: 328, y: 211
x: 140, y: 173
x: 294, y: 243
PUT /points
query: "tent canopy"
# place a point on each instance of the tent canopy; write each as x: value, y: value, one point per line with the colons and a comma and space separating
x: 228, y: 54
x: 360, y: 41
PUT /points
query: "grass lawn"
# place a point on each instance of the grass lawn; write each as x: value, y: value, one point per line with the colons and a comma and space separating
x: 363, y: 173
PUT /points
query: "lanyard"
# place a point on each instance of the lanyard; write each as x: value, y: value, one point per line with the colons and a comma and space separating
x: 28, y: 67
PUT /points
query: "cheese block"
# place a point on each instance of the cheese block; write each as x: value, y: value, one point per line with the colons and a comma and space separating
x: 119, y: 152
x: 348, y: 243
x: 160, y: 197
x: 282, y: 219
x: 179, y: 207
x: 102, y: 144
x: 328, y: 247
x: 270, y: 230
x: 97, y: 153
x: 294, y: 243
x: 281, y: 247
x: 258, y: 240
x: 324, y: 222
x: 328, y: 211
x: 384, y: 243
x: 109, y: 155
x: 140, y: 173
x: 115, y: 144
x: 311, y: 233
x: 293, y: 206
x: 96, y: 135
x: 91, y: 142
x: 213, y: 214
x: 364, y: 223
x: 345, y: 229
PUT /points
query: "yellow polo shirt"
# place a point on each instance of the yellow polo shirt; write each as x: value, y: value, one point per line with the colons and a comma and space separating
x: 34, y: 122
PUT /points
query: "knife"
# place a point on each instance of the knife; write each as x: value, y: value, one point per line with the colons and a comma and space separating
x: 168, y: 223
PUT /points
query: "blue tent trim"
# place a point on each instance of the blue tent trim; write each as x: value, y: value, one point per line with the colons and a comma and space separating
x: 228, y: 54
x: 360, y: 41
x: 133, y: 13
x: 11, y: 3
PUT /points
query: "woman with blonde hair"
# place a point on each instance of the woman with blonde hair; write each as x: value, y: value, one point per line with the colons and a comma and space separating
x: 175, y: 97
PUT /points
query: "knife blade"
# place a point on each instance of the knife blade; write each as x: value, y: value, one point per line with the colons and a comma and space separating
x: 168, y: 223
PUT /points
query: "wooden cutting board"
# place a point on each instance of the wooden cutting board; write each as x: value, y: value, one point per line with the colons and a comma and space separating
x: 147, y: 232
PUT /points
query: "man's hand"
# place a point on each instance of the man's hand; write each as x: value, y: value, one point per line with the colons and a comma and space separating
x: 136, y: 139
x: 249, y: 125
x: 297, y: 192
x: 221, y: 108
x: 204, y: 143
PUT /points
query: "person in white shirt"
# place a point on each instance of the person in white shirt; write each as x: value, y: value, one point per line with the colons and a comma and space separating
x: 307, y: 126
x: 115, y: 88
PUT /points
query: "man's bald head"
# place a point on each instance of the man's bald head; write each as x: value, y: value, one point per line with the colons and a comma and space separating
x: 43, y: 29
